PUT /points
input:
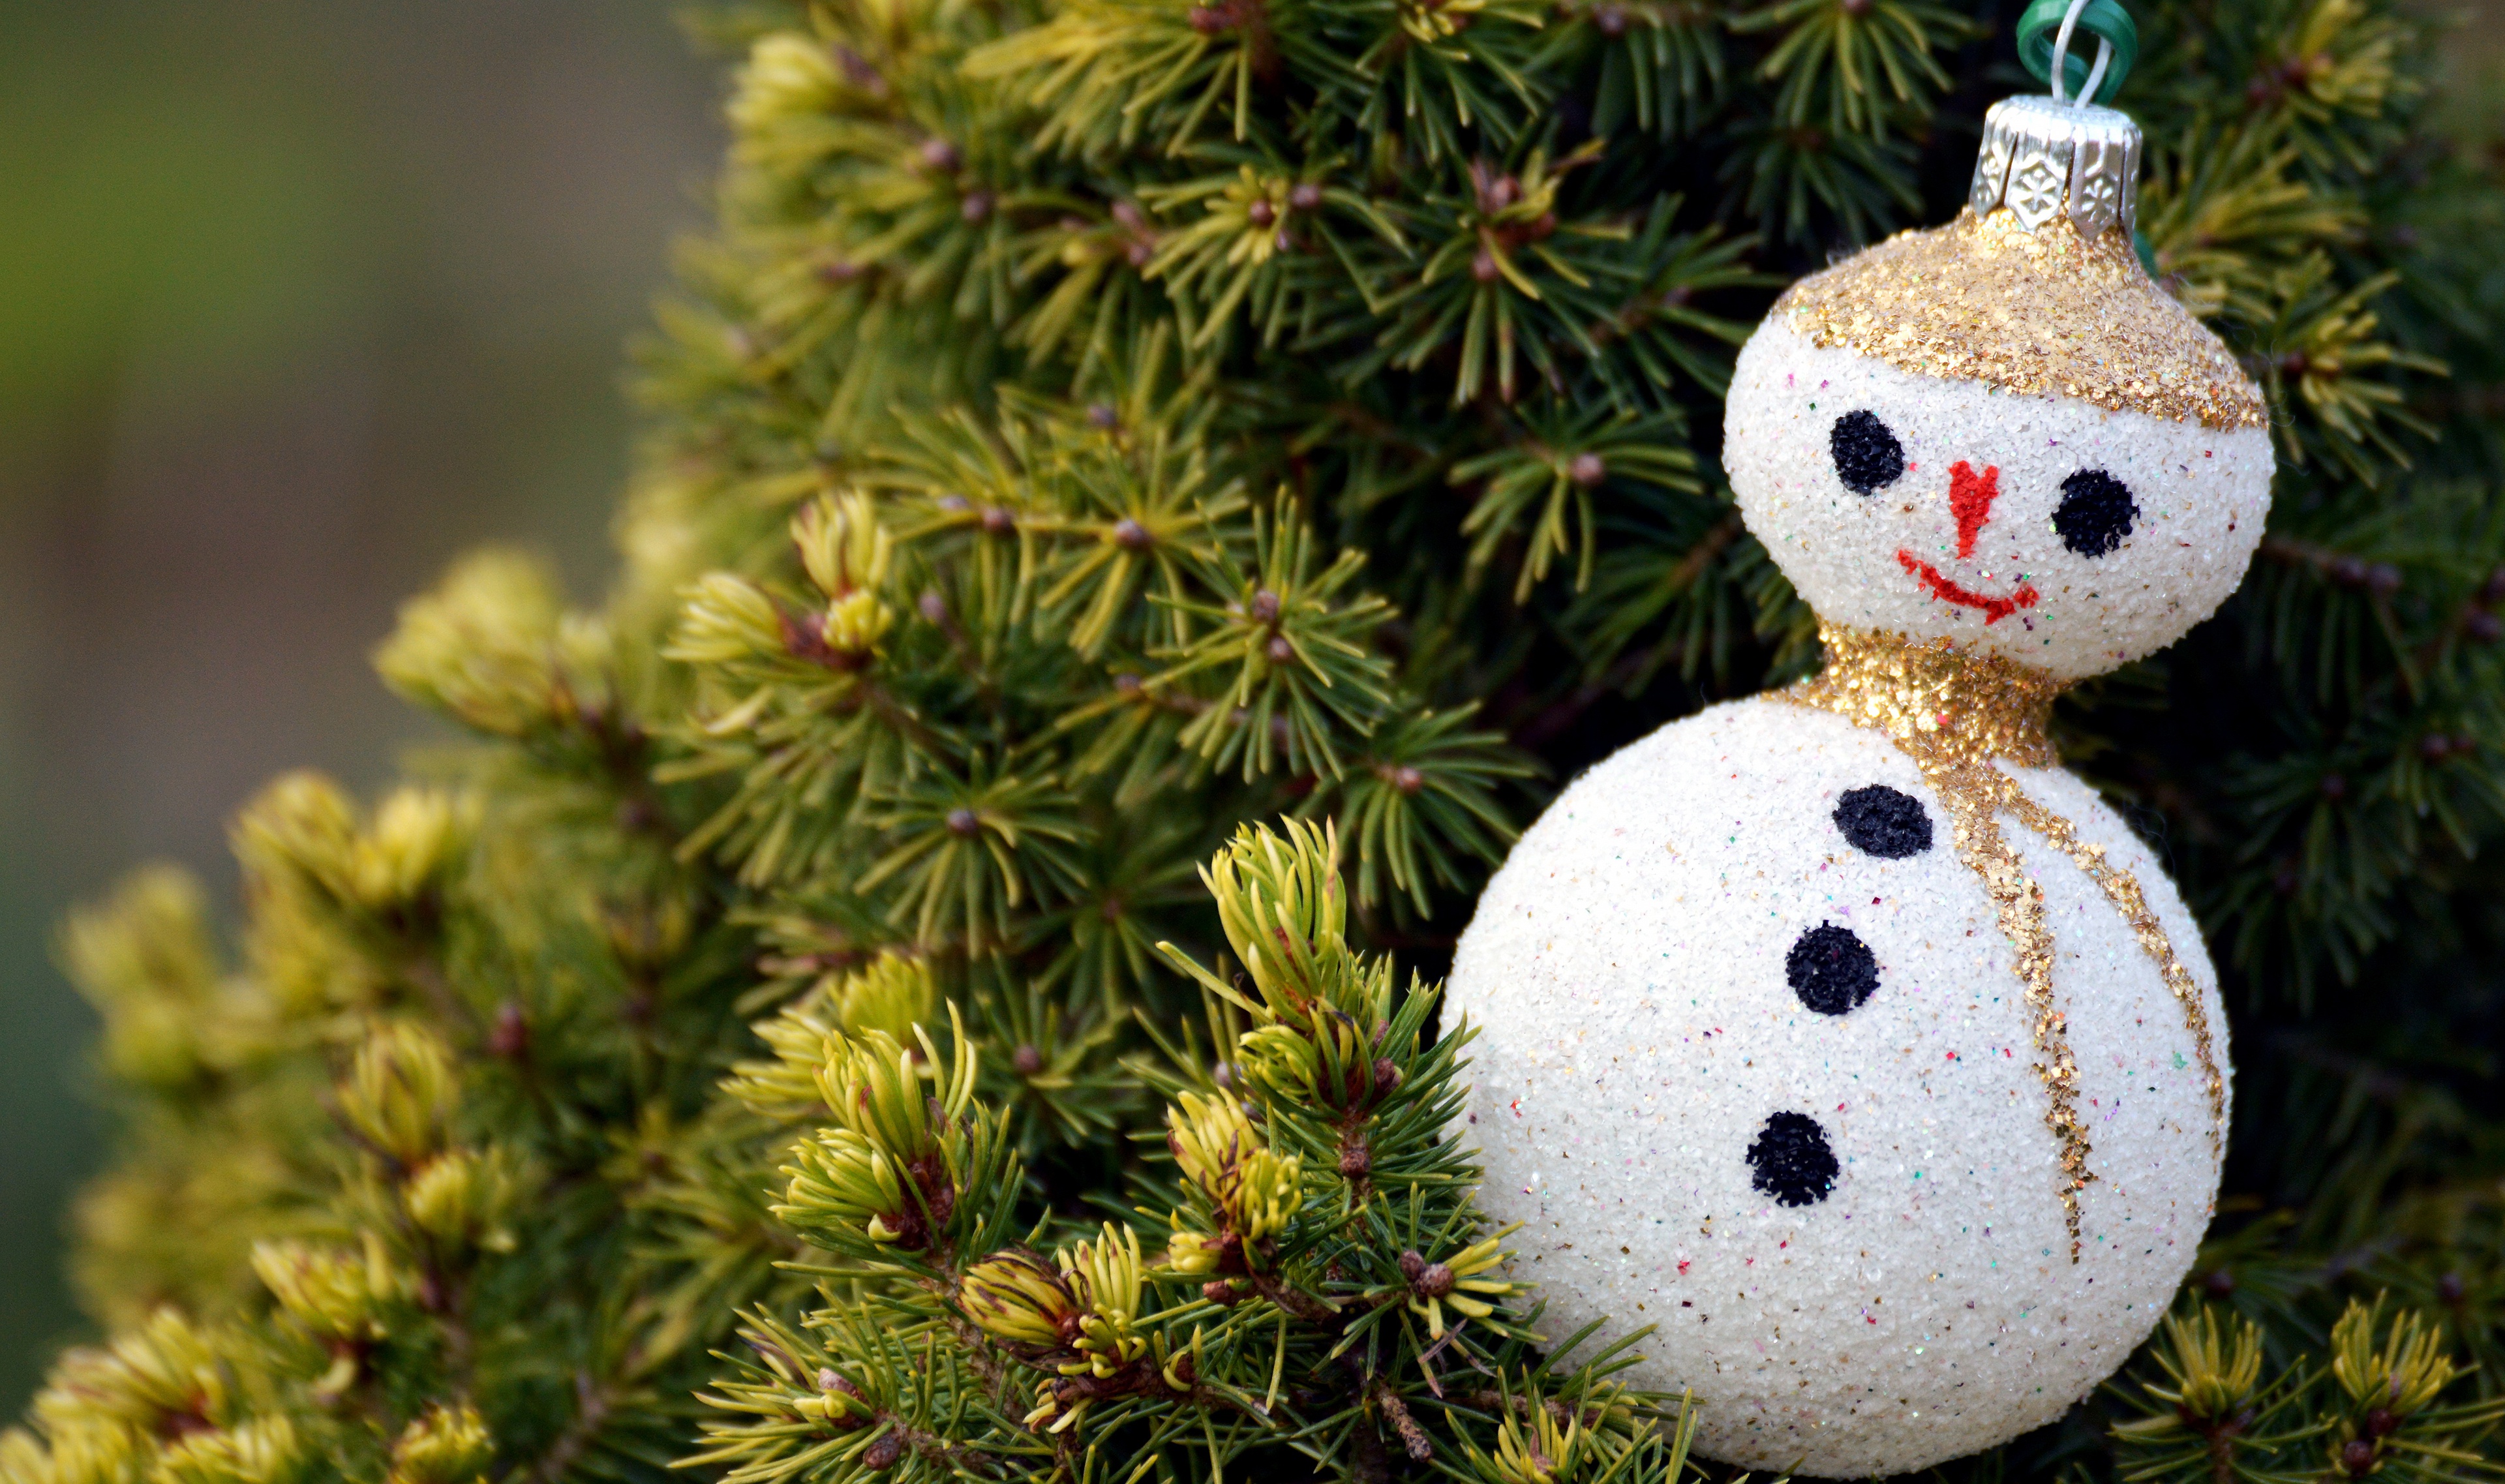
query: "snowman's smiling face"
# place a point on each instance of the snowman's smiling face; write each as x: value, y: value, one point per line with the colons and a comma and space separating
x: 2055, y: 532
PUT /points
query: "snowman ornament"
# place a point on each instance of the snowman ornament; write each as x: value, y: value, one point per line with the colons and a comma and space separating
x: 1840, y: 1035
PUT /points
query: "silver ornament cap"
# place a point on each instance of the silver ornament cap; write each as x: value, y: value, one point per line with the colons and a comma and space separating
x: 2044, y: 158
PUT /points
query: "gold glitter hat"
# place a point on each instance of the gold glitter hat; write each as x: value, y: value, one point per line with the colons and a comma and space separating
x: 2036, y: 289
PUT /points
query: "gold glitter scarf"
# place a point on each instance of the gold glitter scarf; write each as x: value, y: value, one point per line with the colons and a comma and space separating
x: 1954, y: 713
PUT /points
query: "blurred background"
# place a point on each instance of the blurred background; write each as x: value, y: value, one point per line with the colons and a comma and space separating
x: 298, y: 299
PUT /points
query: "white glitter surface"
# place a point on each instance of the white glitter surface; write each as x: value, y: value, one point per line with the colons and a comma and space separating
x: 1626, y: 973
x: 2202, y: 493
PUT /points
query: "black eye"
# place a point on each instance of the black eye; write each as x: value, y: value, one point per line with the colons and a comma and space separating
x: 1792, y: 1161
x: 2096, y: 512
x: 1867, y: 456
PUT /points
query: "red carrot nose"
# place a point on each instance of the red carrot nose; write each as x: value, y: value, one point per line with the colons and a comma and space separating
x: 1971, y: 497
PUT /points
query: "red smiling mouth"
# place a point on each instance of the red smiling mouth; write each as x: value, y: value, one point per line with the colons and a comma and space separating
x: 1994, y: 608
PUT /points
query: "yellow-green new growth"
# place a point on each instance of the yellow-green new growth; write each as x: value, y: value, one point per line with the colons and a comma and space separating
x: 1017, y: 1297
x: 1092, y: 425
x: 1103, y: 1276
x: 400, y: 1093
x: 493, y: 648
x: 1286, y: 915
x: 2395, y: 1381
x: 442, y: 1445
x: 146, y: 962
x: 2403, y: 1374
x: 1254, y: 1189
x: 464, y: 1198
x: 892, y: 994
x: 845, y: 551
x: 2212, y: 1369
x: 163, y: 1376
x: 1076, y: 1311
x: 890, y: 1167
x: 1589, y: 1437
x: 303, y: 830
x: 266, y: 1450
x: 336, y: 1292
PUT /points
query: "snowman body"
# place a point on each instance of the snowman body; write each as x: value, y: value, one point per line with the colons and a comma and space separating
x: 1765, y: 1083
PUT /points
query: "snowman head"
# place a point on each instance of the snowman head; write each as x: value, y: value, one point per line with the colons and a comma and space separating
x: 2002, y: 433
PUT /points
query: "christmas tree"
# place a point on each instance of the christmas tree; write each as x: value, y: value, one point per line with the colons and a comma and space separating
x: 936, y: 975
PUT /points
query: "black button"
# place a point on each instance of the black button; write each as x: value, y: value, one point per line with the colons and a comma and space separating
x: 1792, y: 1161
x: 1831, y: 970
x: 1883, y: 821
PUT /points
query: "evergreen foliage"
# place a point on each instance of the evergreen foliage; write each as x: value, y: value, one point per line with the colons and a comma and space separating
x: 1117, y: 459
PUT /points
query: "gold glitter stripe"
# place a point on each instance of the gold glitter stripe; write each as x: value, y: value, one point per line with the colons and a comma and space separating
x: 2125, y: 894
x: 1971, y: 792
x: 1953, y: 713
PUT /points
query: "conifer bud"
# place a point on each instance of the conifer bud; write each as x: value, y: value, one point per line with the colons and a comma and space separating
x: 302, y: 830
x: 842, y: 545
x: 165, y: 1376
x: 2217, y: 1367
x: 1533, y: 1446
x: 335, y: 1294
x: 2402, y: 1374
x: 1254, y: 1189
x: 1103, y: 1275
x: 891, y: 994
x: 417, y: 839
x: 1284, y: 910
x: 492, y: 648
x: 144, y: 960
x: 1018, y: 1298
x: 887, y: 1170
x: 1192, y: 1252
x: 400, y: 1093
x: 725, y: 619
x: 788, y: 78
x: 444, y: 1445
x: 1206, y: 1134
x: 462, y: 1198
x: 263, y: 1451
x: 844, y: 1185
x: 509, y: 1038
